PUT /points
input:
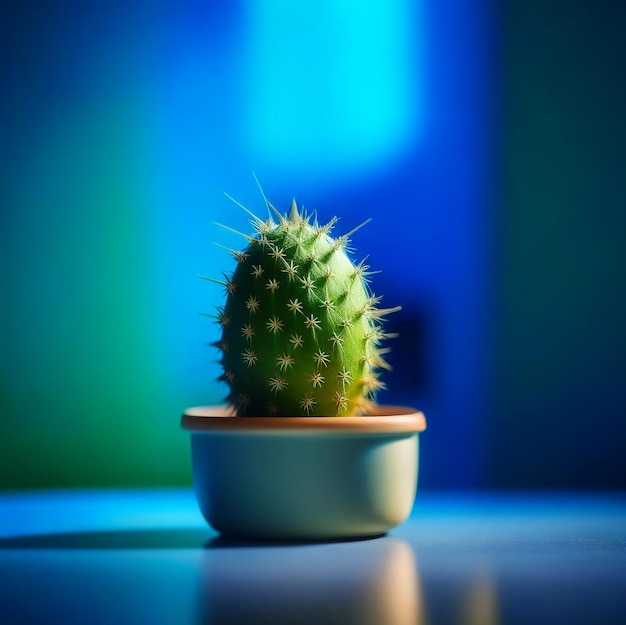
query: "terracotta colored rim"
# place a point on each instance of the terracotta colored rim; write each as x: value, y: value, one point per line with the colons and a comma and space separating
x: 388, y: 419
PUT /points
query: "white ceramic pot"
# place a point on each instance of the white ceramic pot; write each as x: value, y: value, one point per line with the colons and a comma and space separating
x: 304, y: 478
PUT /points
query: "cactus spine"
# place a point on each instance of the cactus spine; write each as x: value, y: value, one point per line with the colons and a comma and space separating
x: 300, y: 330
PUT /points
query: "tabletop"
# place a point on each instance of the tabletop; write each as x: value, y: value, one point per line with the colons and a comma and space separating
x: 147, y: 556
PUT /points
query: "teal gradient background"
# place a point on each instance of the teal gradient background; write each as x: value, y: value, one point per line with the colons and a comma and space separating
x: 485, y: 140
x: 559, y: 397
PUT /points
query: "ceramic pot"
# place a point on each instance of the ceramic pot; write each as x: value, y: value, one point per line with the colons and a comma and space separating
x: 304, y: 478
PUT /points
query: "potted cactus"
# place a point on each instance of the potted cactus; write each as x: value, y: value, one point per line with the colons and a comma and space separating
x: 301, y: 450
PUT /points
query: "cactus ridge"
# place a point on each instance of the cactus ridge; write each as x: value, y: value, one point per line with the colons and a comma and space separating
x: 300, y: 329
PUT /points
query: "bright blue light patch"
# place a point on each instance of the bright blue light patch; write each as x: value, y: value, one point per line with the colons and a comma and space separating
x: 331, y: 84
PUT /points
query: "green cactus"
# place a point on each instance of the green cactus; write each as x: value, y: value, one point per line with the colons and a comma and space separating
x: 300, y: 331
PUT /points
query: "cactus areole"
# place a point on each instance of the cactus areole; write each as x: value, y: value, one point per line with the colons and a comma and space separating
x: 300, y: 330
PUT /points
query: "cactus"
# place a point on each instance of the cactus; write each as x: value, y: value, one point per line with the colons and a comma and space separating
x: 300, y: 330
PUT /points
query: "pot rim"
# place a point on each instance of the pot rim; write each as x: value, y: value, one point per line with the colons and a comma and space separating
x: 385, y: 420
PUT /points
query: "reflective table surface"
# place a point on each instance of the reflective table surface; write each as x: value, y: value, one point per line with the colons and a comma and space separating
x: 147, y: 556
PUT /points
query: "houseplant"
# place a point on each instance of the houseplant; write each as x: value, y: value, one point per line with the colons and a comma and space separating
x: 302, y: 450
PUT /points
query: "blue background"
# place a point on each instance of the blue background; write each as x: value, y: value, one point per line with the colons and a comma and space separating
x: 486, y: 141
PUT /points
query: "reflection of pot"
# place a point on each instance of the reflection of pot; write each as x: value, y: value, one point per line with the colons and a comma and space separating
x: 365, y: 582
x: 304, y: 477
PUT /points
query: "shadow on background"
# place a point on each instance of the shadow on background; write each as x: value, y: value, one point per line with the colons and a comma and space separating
x: 122, y: 539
